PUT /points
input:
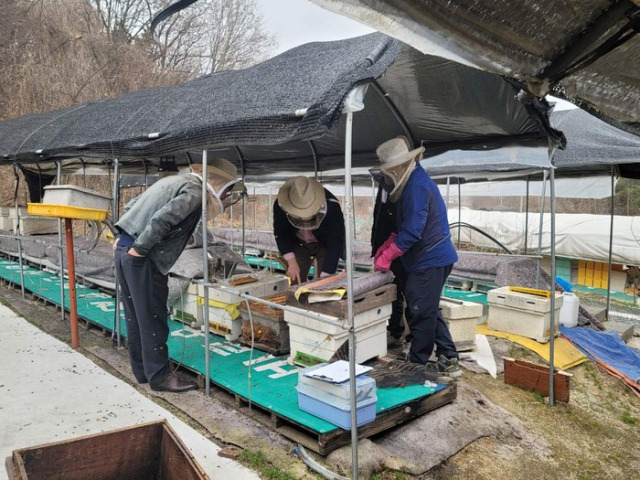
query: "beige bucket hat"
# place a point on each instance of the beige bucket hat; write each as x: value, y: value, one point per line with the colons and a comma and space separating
x: 301, y: 197
x: 395, y: 152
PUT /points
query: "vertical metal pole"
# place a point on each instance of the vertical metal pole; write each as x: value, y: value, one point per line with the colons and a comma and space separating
x: 541, y: 221
x: 59, y: 179
x: 349, y: 266
x: 18, y: 233
x: 73, y: 307
x: 115, y: 215
x: 244, y: 224
x: 459, y: 213
x: 613, y: 197
x: 526, y: 219
x: 552, y: 314
x: 205, y: 272
x: 255, y: 210
x: 270, y: 210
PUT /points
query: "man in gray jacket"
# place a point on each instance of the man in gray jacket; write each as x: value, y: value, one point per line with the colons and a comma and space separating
x: 154, y: 231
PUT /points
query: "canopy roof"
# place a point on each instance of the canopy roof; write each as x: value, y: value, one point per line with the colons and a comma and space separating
x: 593, y: 147
x: 585, y: 51
x: 285, y: 113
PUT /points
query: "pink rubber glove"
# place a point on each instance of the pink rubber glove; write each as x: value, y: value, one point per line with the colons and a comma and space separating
x: 385, y: 245
x: 383, y: 262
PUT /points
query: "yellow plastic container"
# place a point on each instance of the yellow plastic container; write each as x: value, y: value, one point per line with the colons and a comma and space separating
x: 65, y: 211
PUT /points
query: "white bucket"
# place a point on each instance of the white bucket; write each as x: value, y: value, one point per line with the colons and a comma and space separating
x: 569, y: 310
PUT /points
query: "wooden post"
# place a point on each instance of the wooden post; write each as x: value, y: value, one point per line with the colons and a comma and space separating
x: 73, y: 308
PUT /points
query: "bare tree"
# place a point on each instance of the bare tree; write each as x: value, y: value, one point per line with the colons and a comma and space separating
x: 235, y: 36
x: 124, y: 20
x: 57, y: 55
x: 212, y: 35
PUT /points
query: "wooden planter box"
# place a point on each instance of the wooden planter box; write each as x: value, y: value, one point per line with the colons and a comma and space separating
x: 149, y: 451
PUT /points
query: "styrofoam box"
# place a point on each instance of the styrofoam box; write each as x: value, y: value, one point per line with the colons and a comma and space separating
x: 336, y: 394
x: 32, y: 225
x: 365, y: 411
x: 360, y: 320
x: 522, y: 313
x: 453, y: 309
x: 332, y: 401
x: 264, y: 287
x: 73, y: 196
x: 188, y: 305
x: 462, y: 318
x: 29, y: 224
x: 235, y: 329
x: 371, y: 341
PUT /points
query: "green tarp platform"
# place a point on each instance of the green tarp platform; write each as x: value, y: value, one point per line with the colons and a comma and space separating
x: 272, y: 381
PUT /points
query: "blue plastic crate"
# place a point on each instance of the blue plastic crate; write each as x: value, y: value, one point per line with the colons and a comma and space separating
x: 365, y: 413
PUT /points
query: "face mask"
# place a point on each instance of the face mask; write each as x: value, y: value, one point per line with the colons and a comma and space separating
x: 308, y: 223
x: 234, y: 195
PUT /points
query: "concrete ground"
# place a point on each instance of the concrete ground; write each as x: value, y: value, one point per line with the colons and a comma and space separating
x: 50, y: 393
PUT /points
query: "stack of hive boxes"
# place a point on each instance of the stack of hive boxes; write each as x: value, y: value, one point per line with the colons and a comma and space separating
x: 525, y: 312
x: 462, y: 318
x: 225, y: 317
x: 332, y: 401
x: 264, y: 327
x: 314, y: 341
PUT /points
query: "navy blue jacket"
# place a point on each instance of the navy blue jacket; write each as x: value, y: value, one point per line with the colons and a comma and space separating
x: 422, y: 225
x: 330, y: 233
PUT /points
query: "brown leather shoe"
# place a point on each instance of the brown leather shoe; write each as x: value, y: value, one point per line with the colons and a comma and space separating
x: 174, y: 383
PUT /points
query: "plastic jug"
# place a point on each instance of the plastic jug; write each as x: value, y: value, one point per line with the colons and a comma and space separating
x: 569, y: 310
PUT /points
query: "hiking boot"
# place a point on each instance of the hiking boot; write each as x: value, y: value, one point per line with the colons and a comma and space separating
x: 393, y: 342
x: 447, y: 367
x: 405, y: 351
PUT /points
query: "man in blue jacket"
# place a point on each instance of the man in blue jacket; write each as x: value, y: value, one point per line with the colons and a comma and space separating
x: 154, y: 231
x: 423, y: 242
x: 308, y: 224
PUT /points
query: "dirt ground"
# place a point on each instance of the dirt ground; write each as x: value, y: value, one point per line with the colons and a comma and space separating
x: 595, y: 436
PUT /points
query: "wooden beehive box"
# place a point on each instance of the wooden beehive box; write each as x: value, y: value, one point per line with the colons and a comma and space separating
x: 147, y: 451
x: 367, y: 301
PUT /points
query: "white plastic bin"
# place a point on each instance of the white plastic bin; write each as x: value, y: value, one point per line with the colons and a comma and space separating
x: 72, y: 196
x: 569, y: 310
x: 332, y: 401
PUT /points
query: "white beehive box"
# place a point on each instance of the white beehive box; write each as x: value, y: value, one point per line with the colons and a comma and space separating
x: 522, y: 313
x: 332, y: 401
x: 186, y: 309
x: 28, y: 225
x: 223, y: 320
x: 72, y: 196
x: 462, y: 318
x: 313, y: 338
x: 265, y: 286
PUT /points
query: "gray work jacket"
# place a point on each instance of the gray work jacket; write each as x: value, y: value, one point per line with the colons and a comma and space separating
x: 163, y: 218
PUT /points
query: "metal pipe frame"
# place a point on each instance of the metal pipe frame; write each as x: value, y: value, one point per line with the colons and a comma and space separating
x: 613, y: 198
x: 115, y: 216
x: 348, y: 191
x: 526, y: 219
x: 15, y: 200
x: 205, y: 274
x: 59, y: 179
x: 552, y: 313
x: 244, y: 203
x: 540, y: 223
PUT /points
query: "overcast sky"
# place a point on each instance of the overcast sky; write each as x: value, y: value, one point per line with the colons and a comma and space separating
x: 295, y: 22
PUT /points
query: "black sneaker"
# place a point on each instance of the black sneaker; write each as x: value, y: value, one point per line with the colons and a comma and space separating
x: 393, y: 342
x: 447, y: 367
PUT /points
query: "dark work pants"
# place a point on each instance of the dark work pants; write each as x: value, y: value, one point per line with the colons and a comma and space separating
x: 305, y: 254
x: 143, y: 292
x: 396, y: 321
x: 423, y: 290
